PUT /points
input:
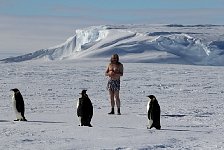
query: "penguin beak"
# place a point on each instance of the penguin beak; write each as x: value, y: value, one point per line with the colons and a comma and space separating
x: 151, y: 97
x: 148, y: 96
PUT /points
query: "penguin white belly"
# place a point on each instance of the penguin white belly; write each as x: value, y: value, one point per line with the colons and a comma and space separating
x: 80, y: 116
x: 80, y: 121
x: 148, y: 106
x: 18, y: 114
x: 150, y: 121
x: 77, y: 105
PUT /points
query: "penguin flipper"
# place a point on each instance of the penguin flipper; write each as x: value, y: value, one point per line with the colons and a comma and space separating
x: 20, y: 106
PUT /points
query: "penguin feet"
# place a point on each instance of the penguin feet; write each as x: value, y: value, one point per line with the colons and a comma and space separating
x: 88, y: 125
x: 150, y: 127
x: 23, y: 119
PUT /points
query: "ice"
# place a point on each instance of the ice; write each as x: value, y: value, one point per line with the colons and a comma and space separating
x: 182, y: 44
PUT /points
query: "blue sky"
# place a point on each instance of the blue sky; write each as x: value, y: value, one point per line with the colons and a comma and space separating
x: 109, y: 10
x: 35, y: 24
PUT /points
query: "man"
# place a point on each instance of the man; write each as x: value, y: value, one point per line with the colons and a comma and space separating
x: 114, y: 71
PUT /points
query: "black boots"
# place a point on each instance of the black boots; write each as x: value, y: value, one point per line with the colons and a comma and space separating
x: 118, y: 111
x: 112, y: 111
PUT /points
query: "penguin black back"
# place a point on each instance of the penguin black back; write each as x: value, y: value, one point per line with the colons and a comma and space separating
x: 18, y: 104
x: 19, y: 100
x: 85, y: 109
x: 154, y: 112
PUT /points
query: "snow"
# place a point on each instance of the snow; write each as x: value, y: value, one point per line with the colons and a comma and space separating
x: 50, y: 80
x: 176, y: 44
x: 190, y: 97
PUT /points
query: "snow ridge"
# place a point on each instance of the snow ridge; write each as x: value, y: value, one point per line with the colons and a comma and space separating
x: 193, y: 44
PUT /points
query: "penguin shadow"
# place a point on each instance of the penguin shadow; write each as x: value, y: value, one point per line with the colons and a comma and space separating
x: 176, y: 116
x: 179, y: 130
x: 39, y: 121
x: 122, y: 128
x: 4, y: 121
x: 185, y: 130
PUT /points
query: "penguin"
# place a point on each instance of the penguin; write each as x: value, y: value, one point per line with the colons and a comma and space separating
x: 18, y: 105
x: 84, y: 109
x: 153, y: 110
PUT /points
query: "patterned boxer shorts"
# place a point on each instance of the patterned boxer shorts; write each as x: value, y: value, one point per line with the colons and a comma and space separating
x: 113, y: 85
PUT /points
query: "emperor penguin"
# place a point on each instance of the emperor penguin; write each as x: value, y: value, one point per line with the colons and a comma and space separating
x: 18, y: 105
x: 84, y: 109
x: 153, y: 110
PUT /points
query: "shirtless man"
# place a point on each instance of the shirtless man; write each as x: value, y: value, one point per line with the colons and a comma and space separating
x: 114, y: 71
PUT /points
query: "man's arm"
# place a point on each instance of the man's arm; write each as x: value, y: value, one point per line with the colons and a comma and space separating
x: 107, y: 71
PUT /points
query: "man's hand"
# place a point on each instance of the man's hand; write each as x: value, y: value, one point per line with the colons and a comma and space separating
x: 111, y: 73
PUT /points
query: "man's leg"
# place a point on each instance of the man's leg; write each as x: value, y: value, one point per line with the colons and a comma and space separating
x: 112, y: 101
x: 118, y: 103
